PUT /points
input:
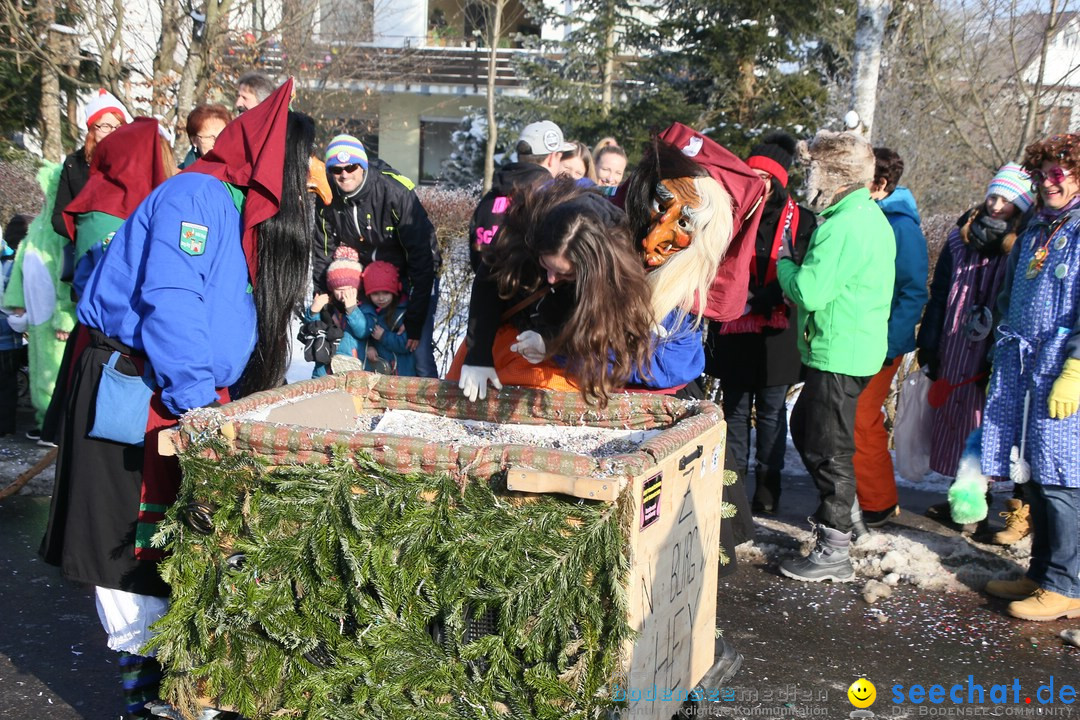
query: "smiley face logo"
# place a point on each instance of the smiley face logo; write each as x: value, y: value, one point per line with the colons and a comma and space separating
x: 862, y: 693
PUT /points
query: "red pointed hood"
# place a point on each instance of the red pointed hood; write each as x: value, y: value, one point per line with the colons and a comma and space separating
x: 250, y: 153
x: 727, y: 296
x: 126, y: 166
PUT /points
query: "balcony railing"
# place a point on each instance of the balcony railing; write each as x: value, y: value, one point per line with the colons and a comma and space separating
x: 405, y: 65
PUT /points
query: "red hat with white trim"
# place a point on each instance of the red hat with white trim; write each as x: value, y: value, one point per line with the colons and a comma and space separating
x: 101, y: 103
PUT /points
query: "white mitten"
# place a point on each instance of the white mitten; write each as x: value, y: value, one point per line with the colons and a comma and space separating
x: 530, y: 345
x: 474, y: 381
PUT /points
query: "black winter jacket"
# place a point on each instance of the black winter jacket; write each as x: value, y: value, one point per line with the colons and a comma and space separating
x: 771, y: 357
x: 485, y: 220
x: 73, y: 178
x: 384, y: 220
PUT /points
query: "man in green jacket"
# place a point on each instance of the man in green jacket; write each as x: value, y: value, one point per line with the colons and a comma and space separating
x: 843, y: 291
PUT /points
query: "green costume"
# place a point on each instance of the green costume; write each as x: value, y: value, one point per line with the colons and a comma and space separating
x: 844, y: 287
x: 35, y: 285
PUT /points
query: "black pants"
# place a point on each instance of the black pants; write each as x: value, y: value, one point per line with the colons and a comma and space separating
x: 733, y: 531
x: 11, y: 362
x: 823, y: 430
x: 771, y: 439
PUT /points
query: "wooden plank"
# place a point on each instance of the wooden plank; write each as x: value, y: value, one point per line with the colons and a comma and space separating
x: 166, y: 443
x: 334, y: 410
x: 537, y: 481
x: 25, y: 477
x: 672, y: 587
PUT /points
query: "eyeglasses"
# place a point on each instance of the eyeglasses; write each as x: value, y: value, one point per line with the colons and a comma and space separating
x: 338, y: 169
x: 104, y: 127
x: 1056, y: 175
x: 206, y: 138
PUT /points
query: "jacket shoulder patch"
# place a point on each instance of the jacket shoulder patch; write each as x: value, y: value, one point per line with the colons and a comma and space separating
x: 193, y: 238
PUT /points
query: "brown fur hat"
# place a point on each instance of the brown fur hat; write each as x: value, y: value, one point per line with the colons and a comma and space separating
x: 839, y: 161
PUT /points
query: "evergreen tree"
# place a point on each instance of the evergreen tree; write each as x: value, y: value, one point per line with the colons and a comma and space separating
x: 20, y: 95
x: 750, y: 66
x: 590, y: 80
x: 465, y: 166
x: 734, y: 68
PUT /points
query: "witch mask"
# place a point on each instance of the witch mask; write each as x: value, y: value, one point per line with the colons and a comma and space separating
x: 673, y: 219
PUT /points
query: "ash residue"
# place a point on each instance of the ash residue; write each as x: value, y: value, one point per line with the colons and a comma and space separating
x: 583, y: 440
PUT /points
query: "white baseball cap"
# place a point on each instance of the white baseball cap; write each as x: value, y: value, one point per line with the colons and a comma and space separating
x: 544, y: 138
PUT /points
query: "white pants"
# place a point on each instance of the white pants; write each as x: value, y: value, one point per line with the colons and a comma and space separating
x: 127, y: 618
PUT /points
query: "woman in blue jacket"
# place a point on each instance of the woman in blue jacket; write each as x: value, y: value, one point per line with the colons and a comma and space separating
x: 195, y: 293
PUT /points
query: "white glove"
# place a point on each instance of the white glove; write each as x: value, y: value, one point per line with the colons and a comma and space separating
x: 18, y: 323
x: 530, y: 345
x: 474, y: 381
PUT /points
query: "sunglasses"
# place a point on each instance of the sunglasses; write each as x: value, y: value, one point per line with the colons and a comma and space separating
x: 1056, y: 175
x: 338, y: 169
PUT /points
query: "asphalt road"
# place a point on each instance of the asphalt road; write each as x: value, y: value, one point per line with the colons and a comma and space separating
x: 804, y: 644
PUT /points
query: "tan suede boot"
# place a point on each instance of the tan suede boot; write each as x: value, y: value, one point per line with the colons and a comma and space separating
x: 1017, y: 523
x: 1020, y: 589
x: 1045, y: 605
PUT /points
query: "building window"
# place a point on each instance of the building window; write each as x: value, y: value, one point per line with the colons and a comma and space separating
x: 1058, y: 120
x: 436, y: 144
x: 347, y: 21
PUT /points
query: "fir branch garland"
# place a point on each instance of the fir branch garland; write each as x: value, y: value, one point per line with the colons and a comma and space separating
x: 349, y: 590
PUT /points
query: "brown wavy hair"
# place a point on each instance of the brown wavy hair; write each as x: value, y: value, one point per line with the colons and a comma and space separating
x: 1063, y: 150
x: 608, y: 333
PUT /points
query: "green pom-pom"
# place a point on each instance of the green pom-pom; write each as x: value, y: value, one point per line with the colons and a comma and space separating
x: 967, y: 496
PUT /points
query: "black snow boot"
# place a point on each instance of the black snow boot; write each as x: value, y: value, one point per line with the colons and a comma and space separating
x: 827, y: 561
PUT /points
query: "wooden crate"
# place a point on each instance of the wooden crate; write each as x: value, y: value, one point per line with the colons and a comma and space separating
x: 673, y: 582
x: 673, y: 481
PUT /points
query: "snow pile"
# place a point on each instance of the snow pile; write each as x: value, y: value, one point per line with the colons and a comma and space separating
x: 898, y: 555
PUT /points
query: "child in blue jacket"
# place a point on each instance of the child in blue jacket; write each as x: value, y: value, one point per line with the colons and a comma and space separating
x: 387, y: 350
x: 335, y: 324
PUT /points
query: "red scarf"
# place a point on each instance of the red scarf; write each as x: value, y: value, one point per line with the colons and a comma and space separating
x: 753, y: 322
x: 126, y: 167
x: 250, y: 154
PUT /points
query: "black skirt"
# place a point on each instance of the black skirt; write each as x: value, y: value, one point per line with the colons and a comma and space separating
x: 95, y: 502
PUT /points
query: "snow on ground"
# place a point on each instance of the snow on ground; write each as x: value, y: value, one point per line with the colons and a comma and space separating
x: 897, y: 555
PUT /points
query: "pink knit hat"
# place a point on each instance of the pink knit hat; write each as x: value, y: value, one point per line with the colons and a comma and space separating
x: 345, y: 270
x: 381, y: 276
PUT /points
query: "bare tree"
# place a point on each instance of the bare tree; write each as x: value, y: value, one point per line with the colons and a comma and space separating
x: 495, y: 32
x: 870, y: 22
x: 51, y: 146
x: 34, y: 37
x: 965, y: 86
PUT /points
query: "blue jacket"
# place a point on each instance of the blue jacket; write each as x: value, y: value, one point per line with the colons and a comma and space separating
x: 175, y: 286
x: 909, y: 291
x: 391, y: 347
x: 9, y: 339
x: 677, y: 359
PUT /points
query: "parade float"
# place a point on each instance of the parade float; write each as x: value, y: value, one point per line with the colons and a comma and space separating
x: 371, y: 546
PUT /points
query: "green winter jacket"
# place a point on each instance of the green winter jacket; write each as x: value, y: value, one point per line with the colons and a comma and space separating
x: 844, y: 287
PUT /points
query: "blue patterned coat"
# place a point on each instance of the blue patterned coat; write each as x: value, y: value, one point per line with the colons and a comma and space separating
x: 1038, y: 331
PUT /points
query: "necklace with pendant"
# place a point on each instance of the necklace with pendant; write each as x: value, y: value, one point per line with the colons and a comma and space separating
x: 1038, y: 260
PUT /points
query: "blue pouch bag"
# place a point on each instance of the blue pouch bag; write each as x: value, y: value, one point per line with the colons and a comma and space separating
x: 122, y: 406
